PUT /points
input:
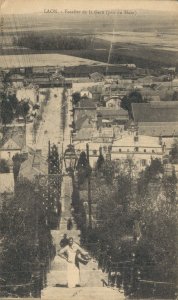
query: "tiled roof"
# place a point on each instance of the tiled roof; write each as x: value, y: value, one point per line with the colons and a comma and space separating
x: 143, y: 141
x: 34, y: 165
x: 83, y: 122
x: 158, y: 128
x: 116, y: 113
x: 14, y: 138
x: 155, y: 112
x: 83, y: 134
x: 86, y: 103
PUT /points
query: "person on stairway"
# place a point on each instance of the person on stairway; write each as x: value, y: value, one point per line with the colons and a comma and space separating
x: 70, y: 253
x: 69, y: 224
x: 64, y: 241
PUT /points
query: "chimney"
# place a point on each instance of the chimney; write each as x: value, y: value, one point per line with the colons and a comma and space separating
x: 99, y: 120
x: 160, y: 140
x: 164, y: 147
x: 136, y: 137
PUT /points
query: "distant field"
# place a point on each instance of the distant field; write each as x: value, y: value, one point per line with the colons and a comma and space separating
x: 24, y: 60
x: 142, y: 56
x: 147, y: 51
x: 153, y: 39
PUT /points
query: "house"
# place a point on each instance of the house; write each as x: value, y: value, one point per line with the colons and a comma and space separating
x: 85, y: 93
x: 140, y: 149
x: 85, y: 106
x: 110, y: 116
x: 107, y: 94
x: 175, y: 82
x: 96, y: 76
x: 35, y: 164
x: 154, y: 98
x: 13, y: 142
x: 113, y: 102
x: 84, y: 122
x: 17, y: 79
x: 104, y: 135
x: 96, y: 92
x: 84, y: 134
x: 6, y: 187
x: 156, y: 118
x: 27, y: 93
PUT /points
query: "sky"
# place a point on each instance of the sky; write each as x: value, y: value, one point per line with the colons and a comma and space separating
x: 38, y: 6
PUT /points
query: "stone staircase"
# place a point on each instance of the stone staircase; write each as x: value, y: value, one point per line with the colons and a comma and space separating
x: 88, y: 293
x: 90, y: 277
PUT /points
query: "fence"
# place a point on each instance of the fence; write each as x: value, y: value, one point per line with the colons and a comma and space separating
x: 31, y: 285
x: 131, y: 278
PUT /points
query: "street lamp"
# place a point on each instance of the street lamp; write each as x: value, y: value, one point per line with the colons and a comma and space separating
x: 70, y: 158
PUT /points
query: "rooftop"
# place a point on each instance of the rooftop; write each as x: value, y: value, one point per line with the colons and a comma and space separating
x: 84, y: 134
x: 155, y: 111
x: 116, y: 113
x: 34, y: 165
x: 14, y: 138
x: 86, y: 103
x: 142, y: 141
x: 158, y: 128
x: 83, y: 122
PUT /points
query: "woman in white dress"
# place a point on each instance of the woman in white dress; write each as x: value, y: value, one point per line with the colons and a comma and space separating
x: 70, y: 253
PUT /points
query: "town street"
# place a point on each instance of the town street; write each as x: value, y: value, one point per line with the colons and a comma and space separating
x: 50, y: 127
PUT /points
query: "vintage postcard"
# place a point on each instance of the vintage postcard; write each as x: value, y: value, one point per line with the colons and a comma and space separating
x: 88, y: 149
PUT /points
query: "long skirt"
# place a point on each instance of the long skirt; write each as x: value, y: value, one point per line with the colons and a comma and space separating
x: 73, y: 275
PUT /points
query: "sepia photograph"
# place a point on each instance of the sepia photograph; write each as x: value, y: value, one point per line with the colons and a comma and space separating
x: 89, y: 149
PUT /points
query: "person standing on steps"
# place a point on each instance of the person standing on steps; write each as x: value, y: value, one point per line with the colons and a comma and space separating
x: 69, y: 224
x: 71, y: 253
x: 64, y: 241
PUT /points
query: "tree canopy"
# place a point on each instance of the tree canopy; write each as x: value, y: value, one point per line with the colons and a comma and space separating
x: 23, y: 227
x: 133, y: 97
x: 75, y: 97
x: 138, y: 214
x: 56, y: 41
x: 4, y: 167
x: 174, y: 152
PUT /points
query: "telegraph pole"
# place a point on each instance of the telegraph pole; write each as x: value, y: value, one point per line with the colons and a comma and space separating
x: 89, y: 189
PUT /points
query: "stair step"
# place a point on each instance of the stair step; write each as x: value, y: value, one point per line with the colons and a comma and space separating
x: 95, y: 293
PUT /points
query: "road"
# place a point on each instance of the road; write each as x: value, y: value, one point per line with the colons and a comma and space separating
x: 50, y: 128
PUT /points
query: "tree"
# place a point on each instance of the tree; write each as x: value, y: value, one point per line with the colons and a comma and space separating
x: 155, y: 168
x: 100, y: 162
x: 23, y: 108
x: 75, y: 98
x: 175, y: 96
x: 115, y: 223
x: 17, y: 161
x: 7, y: 112
x: 133, y: 97
x: 82, y: 161
x: 174, y: 152
x: 53, y: 160
x: 8, y: 107
x: 83, y: 168
x: 54, y: 186
x: 25, y: 233
x: 108, y: 171
x: 4, y: 167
